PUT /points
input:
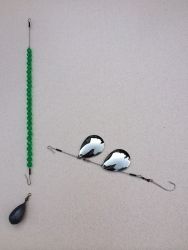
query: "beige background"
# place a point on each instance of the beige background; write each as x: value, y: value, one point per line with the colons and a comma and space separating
x: 113, y: 68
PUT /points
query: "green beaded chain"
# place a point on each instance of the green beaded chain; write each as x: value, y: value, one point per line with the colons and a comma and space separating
x: 29, y: 108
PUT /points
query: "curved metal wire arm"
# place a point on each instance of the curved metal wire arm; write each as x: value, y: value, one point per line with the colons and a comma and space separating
x: 53, y: 150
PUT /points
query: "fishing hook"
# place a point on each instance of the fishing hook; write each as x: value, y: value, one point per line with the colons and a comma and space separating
x: 28, y: 178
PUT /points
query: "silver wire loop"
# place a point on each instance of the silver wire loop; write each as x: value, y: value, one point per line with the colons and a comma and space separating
x: 29, y: 22
x: 28, y: 196
x: 51, y: 149
x: 29, y: 35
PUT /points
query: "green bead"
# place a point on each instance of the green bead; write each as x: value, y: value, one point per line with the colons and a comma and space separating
x: 29, y: 124
x: 29, y: 101
x: 29, y: 161
x: 29, y: 134
x: 29, y: 164
x: 29, y: 109
x: 29, y: 119
x: 29, y: 50
x: 29, y: 153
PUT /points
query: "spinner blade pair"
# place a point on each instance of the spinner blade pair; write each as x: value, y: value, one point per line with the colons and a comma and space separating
x: 93, y: 145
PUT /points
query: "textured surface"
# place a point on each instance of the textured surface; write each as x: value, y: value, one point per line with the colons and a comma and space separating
x: 113, y: 68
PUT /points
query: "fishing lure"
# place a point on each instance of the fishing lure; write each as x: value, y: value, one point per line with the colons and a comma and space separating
x: 17, y: 214
x: 117, y: 161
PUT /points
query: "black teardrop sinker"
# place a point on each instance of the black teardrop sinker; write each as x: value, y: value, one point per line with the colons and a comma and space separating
x: 92, y: 146
x: 17, y: 214
x: 117, y: 160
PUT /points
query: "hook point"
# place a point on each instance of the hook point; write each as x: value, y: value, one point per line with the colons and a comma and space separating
x: 166, y: 189
x: 173, y: 184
